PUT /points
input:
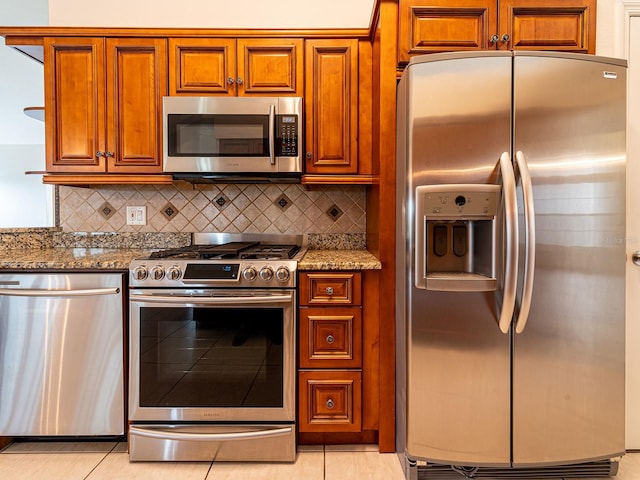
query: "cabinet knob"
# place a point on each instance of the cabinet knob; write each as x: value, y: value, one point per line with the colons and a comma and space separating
x: 239, y: 81
x: 329, y: 290
x: 330, y: 339
x: 309, y: 155
x: 330, y: 403
x: 494, y: 39
x: 230, y: 81
x: 505, y: 38
x: 108, y: 154
x: 99, y: 154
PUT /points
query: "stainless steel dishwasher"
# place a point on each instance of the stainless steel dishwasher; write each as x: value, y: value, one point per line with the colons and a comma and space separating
x: 61, y: 354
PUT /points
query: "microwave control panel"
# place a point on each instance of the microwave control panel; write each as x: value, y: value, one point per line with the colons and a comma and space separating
x: 287, y: 135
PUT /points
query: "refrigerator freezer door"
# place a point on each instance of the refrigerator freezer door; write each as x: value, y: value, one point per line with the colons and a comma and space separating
x: 456, y: 374
x: 568, y: 366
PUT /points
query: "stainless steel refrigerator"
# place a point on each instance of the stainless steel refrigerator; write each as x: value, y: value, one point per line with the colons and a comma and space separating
x: 511, y: 265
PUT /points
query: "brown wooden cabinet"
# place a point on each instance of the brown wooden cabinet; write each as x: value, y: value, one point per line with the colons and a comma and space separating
x: 331, y: 106
x: 103, y: 104
x: 229, y: 66
x: 330, y: 353
x: 448, y: 25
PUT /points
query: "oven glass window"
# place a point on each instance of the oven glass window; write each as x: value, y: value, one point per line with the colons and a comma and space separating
x: 218, y: 135
x: 211, y: 357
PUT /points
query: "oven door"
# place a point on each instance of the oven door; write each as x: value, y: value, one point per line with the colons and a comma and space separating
x: 212, y: 355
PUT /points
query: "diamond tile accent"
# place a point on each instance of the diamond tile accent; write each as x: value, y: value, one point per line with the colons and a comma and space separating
x: 283, y: 202
x: 169, y: 211
x: 334, y: 212
x: 222, y: 201
x: 106, y: 210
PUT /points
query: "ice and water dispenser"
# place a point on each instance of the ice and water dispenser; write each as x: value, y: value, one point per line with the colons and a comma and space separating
x: 456, y: 237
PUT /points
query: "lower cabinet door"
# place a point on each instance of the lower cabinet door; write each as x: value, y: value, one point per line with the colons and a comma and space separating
x: 330, y: 401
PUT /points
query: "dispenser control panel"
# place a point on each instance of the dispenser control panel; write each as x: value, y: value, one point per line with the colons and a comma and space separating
x: 459, y: 201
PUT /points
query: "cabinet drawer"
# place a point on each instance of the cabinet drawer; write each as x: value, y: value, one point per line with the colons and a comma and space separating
x: 330, y: 401
x: 330, y: 288
x: 331, y: 337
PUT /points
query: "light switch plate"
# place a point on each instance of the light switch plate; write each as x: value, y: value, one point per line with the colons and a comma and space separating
x: 136, y: 215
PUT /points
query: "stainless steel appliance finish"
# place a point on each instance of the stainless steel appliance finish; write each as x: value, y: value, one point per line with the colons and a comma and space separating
x: 238, y: 136
x: 61, y: 354
x: 212, y: 353
x: 511, y: 321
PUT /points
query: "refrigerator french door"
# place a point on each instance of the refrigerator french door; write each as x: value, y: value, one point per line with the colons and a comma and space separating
x: 511, y: 259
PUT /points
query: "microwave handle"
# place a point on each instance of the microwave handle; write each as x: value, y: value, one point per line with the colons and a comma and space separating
x: 272, y: 134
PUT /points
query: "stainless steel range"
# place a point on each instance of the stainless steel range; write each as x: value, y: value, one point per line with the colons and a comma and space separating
x: 212, y: 350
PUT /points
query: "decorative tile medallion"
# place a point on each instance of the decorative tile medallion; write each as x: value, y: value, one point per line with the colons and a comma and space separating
x: 221, y: 201
x: 106, y: 210
x: 334, y: 212
x: 283, y: 202
x: 169, y: 211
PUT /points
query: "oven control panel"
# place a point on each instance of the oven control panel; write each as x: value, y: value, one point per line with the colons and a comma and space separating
x: 193, y: 273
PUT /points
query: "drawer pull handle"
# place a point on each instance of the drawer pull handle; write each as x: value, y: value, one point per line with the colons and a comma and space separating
x: 330, y: 403
x: 330, y: 339
x: 329, y: 290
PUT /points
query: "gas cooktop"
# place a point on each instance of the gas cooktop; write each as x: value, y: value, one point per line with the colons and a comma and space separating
x: 222, y: 260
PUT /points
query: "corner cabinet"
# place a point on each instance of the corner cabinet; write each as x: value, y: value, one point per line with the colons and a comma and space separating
x: 445, y: 25
x: 103, y: 104
x: 242, y: 67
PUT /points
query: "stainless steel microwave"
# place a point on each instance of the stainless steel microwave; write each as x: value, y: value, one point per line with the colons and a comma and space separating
x: 210, y: 137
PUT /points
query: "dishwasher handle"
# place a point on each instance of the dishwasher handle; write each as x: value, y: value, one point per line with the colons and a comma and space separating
x: 43, y: 292
x: 212, y: 300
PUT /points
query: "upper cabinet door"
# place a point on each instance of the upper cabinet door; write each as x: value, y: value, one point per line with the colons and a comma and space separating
x: 136, y: 82
x: 331, y: 103
x: 202, y: 66
x: 560, y: 25
x: 247, y: 66
x: 270, y: 66
x: 445, y: 25
x: 74, y: 104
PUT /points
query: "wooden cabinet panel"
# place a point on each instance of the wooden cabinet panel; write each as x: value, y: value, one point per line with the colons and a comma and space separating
x: 330, y: 401
x: 74, y: 99
x: 246, y: 66
x: 442, y: 25
x: 202, y: 66
x: 445, y: 25
x: 331, y: 103
x: 103, y: 104
x: 549, y: 25
x: 330, y: 337
x: 136, y: 83
x: 270, y: 66
x: 330, y: 288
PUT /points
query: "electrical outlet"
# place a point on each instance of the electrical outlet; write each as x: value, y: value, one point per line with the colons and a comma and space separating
x: 136, y: 215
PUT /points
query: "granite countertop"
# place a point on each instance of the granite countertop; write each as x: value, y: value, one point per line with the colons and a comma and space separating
x: 69, y: 258
x: 59, y: 258
x: 51, y: 249
x: 339, y: 260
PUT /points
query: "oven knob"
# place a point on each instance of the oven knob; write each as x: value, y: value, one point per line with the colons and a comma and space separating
x: 157, y: 273
x: 266, y: 273
x: 283, y: 274
x: 140, y: 273
x: 174, y: 273
x: 249, y: 274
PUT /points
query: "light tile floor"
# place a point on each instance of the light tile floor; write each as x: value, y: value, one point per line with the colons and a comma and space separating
x: 110, y: 461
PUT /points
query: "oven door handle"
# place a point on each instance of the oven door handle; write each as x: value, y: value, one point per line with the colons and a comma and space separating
x: 167, y: 434
x: 236, y: 301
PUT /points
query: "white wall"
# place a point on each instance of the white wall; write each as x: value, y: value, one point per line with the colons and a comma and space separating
x: 213, y: 13
x: 24, y: 201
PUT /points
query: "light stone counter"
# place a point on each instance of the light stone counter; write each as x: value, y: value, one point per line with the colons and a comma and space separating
x: 339, y: 260
x: 69, y: 258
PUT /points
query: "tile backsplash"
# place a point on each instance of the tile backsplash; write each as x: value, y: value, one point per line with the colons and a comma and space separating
x: 230, y: 208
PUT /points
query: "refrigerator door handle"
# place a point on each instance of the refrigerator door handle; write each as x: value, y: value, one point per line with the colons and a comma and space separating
x: 529, y: 239
x: 511, y: 242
